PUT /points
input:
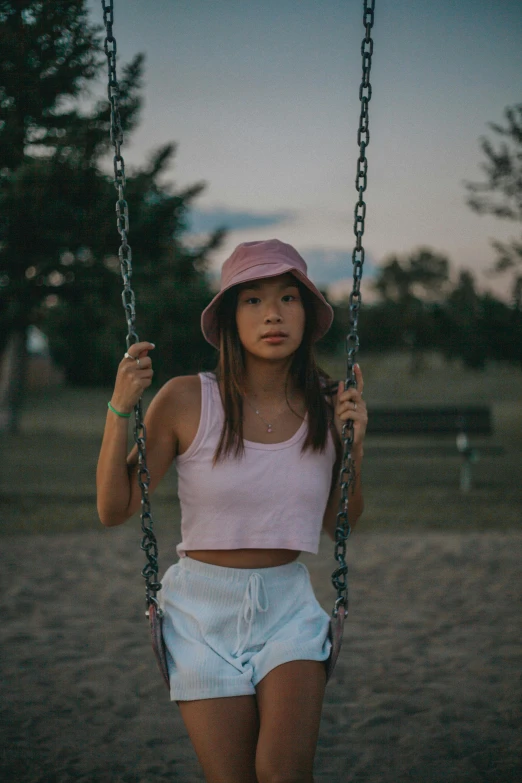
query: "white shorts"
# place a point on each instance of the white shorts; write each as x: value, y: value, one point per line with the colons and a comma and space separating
x: 226, y: 628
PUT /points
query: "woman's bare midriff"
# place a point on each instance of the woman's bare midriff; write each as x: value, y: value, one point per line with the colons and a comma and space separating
x: 245, y: 558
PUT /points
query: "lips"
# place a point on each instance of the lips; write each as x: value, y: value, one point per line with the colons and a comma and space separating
x: 273, y: 334
x: 274, y: 339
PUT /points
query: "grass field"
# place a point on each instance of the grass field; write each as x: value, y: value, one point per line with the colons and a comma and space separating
x: 48, y: 477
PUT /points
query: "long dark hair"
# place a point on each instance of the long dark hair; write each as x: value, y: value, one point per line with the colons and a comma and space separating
x: 306, y: 373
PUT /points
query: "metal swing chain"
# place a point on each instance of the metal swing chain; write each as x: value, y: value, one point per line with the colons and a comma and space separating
x: 347, y: 472
x: 148, y: 542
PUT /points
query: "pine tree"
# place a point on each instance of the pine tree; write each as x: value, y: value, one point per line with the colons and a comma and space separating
x: 58, y: 236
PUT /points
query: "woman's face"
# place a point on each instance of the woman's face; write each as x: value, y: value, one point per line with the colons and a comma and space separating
x: 266, y: 306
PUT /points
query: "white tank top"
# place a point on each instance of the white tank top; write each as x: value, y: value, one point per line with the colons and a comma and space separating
x: 273, y: 497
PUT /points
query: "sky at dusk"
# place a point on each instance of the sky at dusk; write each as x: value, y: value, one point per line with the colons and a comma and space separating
x: 262, y: 99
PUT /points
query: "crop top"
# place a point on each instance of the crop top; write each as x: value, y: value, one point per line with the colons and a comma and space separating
x: 273, y: 497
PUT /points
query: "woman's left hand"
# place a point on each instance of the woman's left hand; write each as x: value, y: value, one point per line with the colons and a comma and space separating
x: 349, y: 404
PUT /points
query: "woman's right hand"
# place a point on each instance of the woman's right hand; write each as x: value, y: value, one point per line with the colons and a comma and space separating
x: 131, y: 378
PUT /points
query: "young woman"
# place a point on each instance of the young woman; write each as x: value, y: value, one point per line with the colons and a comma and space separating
x: 257, y: 450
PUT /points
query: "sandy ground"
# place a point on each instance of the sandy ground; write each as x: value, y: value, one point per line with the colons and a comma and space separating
x: 427, y: 688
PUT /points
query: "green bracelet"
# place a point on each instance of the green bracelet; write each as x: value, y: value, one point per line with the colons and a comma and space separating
x: 123, y: 415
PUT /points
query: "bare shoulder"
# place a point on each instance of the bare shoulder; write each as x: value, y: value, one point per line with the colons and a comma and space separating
x: 180, y: 396
x: 180, y: 402
x: 181, y: 386
x: 170, y: 420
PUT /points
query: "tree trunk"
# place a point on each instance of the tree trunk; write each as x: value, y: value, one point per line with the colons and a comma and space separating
x: 13, y: 365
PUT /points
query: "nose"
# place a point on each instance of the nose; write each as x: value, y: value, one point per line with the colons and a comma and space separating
x: 273, y: 314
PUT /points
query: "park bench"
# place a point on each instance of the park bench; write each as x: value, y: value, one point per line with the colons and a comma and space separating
x: 460, y: 421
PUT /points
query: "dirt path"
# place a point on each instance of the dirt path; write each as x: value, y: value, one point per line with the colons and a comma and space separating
x: 427, y: 688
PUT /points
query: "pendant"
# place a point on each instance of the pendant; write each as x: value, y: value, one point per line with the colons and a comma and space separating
x: 269, y: 428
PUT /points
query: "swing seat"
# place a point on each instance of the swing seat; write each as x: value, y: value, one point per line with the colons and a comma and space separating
x: 335, y: 634
x: 158, y: 644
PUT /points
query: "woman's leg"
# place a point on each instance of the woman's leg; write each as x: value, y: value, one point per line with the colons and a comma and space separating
x: 224, y: 734
x: 290, y: 700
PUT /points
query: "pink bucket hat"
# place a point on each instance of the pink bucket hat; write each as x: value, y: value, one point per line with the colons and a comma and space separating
x: 255, y: 260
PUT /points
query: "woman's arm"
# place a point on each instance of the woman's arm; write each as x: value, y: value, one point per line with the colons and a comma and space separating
x: 118, y: 491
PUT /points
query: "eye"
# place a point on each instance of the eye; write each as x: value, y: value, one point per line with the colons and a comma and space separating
x: 291, y: 296
x: 251, y: 298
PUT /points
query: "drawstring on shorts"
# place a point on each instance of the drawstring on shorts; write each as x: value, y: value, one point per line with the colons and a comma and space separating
x: 249, y: 606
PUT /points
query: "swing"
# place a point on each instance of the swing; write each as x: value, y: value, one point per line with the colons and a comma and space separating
x: 346, y: 473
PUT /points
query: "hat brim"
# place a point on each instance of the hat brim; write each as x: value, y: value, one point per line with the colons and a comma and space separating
x: 324, y: 312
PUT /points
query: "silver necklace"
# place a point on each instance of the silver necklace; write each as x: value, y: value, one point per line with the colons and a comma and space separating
x: 268, y: 425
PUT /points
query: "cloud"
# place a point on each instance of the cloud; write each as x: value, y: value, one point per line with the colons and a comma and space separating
x: 202, y: 221
x: 329, y: 265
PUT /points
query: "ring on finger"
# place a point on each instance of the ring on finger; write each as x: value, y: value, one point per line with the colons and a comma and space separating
x: 134, y: 359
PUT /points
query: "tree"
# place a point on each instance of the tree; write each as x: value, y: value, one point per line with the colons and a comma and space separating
x: 49, y: 52
x: 406, y: 285
x: 57, y: 218
x: 503, y: 170
x: 463, y: 335
x: 86, y: 327
x: 424, y: 273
